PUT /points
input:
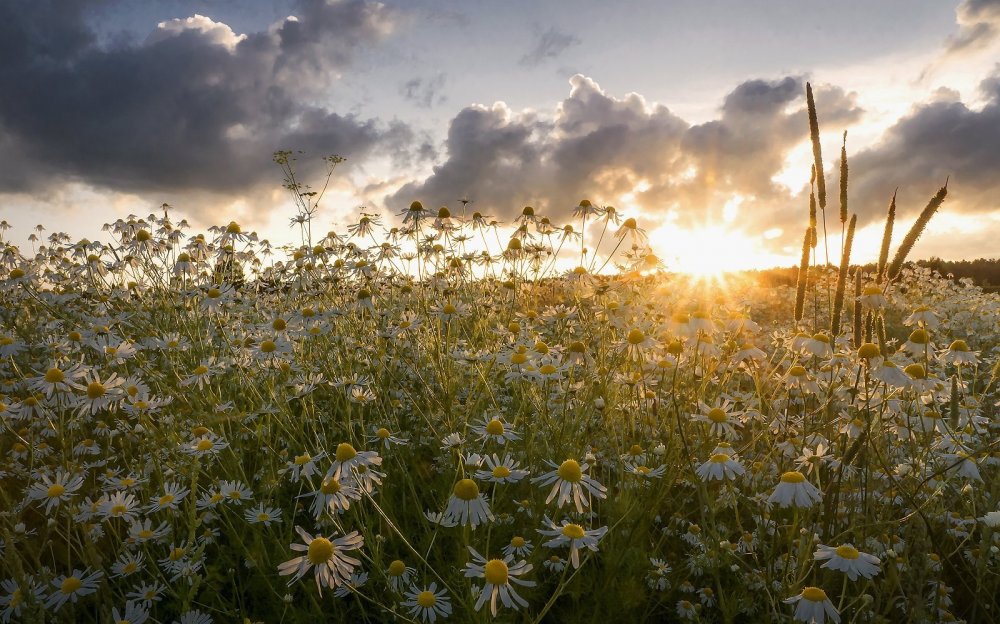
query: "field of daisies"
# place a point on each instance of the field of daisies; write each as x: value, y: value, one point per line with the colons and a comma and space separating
x: 385, y: 426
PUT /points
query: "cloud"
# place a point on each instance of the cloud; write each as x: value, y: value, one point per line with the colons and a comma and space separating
x: 192, y: 107
x: 979, y: 23
x: 630, y: 153
x: 424, y: 92
x: 548, y: 45
x: 939, y: 138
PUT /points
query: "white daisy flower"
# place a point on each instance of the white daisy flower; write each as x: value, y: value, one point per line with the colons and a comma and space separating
x: 573, y: 535
x: 720, y: 466
x: 569, y: 482
x: 499, y: 574
x: 427, y: 604
x: 501, y: 471
x: 333, y: 567
x: 813, y: 606
x: 71, y: 587
x: 467, y: 505
x: 848, y: 560
x: 793, y: 489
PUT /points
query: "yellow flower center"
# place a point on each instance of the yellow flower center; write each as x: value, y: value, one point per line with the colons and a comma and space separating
x: 814, y: 594
x: 449, y: 309
x: 214, y: 293
x: 517, y: 541
x: 329, y: 486
x: 501, y: 472
x: 793, y: 476
x: 847, y: 552
x: 70, y: 585
x: 959, y: 345
x: 547, y: 369
x: 302, y: 459
x: 718, y: 415
x: 203, y: 445
x: 166, y: 499
x: 868, y: 351
x: 54, y: 375
x: 519, y: 358
x: 915, y: 371
x: 570, y: 471
x: 797, y: 371
x: 426, y: 599
x: 268, y: 346
x: 719, y: 458
x: 573, y: 531
x: 142, y: 236
x: 495, y: 571
x: 397, y: 568
x: 95, y: 390
x: 118, y: 510
x: 466, y: 489
x: 55, y: 491
x: 345, y: 452
x: 382, y: 433
x: 320, y: 551
x: 636, y: 337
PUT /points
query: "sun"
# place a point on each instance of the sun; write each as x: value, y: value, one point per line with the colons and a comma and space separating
x: 708, y: 251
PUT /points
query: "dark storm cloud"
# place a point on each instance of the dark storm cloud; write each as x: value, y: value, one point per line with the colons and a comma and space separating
x: 193, y: 106
x: 548, y: 44
x: 935, y: 140
x: 600, y: 147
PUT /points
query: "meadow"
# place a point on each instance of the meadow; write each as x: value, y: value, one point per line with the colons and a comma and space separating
x: 438, y: 421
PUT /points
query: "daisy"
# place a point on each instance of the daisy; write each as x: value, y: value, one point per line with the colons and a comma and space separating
x: 922, y: 316
x: 56, y: 490
x: 262, y: 515
x: 16, y: 596
x: 793, y: 489
x: 495, y: 430
x: 347, y: 457
x: 574, y: 535
x: 333, y: 567
x: 303, y: 465
x: 119, y: 505
x: 958, y: 353
x: 173, y: 494
x: 134, y: 613
x: 848, y: 560
x: 383, y: 436
x: 501, y: 471
x: 813, y: 606
x: 201, y: 446
x: 128, y: 564
x: 235, y: 492
x: 399, y: 575
x: 467, y: 505
x: 720, y: 421
x: 499, y: 574
x: 569, y: 481
x: 518, y: 547
x: 427, y: 604
x: 71, y: 587
x: 872, y: 297
x: 720, y: 466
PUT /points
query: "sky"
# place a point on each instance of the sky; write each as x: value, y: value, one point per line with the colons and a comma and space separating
x: 689, y: 115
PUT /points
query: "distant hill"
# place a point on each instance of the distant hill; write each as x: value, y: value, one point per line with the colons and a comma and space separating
x: 985, y: 272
